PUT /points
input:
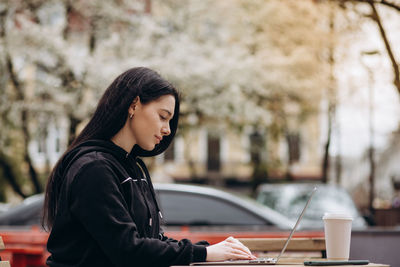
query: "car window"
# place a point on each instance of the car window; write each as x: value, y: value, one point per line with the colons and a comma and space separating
x: 290, y: 201
x: 182, y: 208
x: 269, y: 198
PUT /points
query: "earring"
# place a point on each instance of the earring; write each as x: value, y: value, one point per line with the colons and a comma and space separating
x: 131, y: 115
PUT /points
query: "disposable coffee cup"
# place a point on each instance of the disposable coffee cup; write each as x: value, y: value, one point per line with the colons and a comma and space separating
x: 337, y: 235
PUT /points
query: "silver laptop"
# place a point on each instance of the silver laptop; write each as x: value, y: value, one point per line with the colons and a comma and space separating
x: 263, y: 261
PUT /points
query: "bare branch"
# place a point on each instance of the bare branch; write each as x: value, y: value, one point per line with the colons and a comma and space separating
x: 377, y: 19
x: 389, y: 4
x: 381, y: 2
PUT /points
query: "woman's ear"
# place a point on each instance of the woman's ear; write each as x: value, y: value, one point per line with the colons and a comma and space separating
x: 135, y: 102
x: 133, y: 106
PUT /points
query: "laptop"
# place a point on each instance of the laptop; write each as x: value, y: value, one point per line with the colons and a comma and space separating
x: 263, y: 261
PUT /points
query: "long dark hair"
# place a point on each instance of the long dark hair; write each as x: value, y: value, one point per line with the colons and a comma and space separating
x: 110, y: 116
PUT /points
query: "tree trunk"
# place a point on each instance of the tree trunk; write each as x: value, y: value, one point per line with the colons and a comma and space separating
x: 331, y: 102
x: 92, y: 34
x: 10, y: 175
x: 338, y: 168
x: 371, y: 178
x: 325, y: 162
x: 32, y: 172
x: 371, y: 150
x: 73, y: 125
x: 24, y: 125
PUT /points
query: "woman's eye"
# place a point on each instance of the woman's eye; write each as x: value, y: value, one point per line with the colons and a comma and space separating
x: 163, y: 118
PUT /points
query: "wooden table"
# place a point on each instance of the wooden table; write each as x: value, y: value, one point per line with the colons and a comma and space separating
x: 288, y: 262
x: 292, y: 265
x: 3, y: 263
x: 296, y: 253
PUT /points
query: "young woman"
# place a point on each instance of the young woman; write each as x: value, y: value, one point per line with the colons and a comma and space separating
x: 100, y: 204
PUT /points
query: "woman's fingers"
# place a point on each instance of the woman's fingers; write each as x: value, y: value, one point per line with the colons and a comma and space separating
x: 236, y: 253
x: 246, y: 249
x: 230, y: 248
x: 239, y: 247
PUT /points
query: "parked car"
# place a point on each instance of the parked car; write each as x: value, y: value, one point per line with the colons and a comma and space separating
x: 27, y: 213
x: 181, y: 205
x: 4, y: 207
x: 205, y: 206
x: 289, y: 199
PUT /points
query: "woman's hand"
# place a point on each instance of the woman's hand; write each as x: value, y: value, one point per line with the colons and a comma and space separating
x: 229, y: 249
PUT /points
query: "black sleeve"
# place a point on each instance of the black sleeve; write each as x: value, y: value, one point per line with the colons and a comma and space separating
x: 97, y: 202
x: 165, y: 238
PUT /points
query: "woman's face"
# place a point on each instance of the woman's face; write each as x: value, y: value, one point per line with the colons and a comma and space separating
x: 150, y: 122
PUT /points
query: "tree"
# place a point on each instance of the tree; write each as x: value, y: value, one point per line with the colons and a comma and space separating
x: 374, y: 15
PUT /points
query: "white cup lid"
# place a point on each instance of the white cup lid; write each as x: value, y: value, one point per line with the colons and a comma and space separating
x: 339, y: 216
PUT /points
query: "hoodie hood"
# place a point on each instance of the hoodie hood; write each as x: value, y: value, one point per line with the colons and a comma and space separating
x: 86, y: 147
x: 98, y: 145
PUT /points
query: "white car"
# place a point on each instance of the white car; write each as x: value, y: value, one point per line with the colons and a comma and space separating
x: 290, y: 198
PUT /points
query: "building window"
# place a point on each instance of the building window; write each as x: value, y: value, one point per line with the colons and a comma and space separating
x: 256, y: 147
x: 213, y: 153
x: 41, y: 145
x: 293, y: 141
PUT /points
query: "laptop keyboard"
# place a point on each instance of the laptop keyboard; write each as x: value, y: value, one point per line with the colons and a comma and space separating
x: 264, y: 260
x: 258, y: 260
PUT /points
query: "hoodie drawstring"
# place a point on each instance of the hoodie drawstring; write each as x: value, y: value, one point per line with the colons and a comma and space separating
x: 143, y: 168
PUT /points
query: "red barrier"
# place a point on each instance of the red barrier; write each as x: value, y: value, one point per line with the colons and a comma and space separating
x: 25, y: 247
x: 28, y: 247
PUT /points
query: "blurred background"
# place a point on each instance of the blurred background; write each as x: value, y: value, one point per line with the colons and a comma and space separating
x: 272, y: 91
x: 277, y: 96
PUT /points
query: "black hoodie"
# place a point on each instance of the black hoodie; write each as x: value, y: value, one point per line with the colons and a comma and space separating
x: 107, y: 213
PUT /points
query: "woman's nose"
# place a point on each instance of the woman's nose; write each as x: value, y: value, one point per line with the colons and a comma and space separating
x: 166, y: 130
